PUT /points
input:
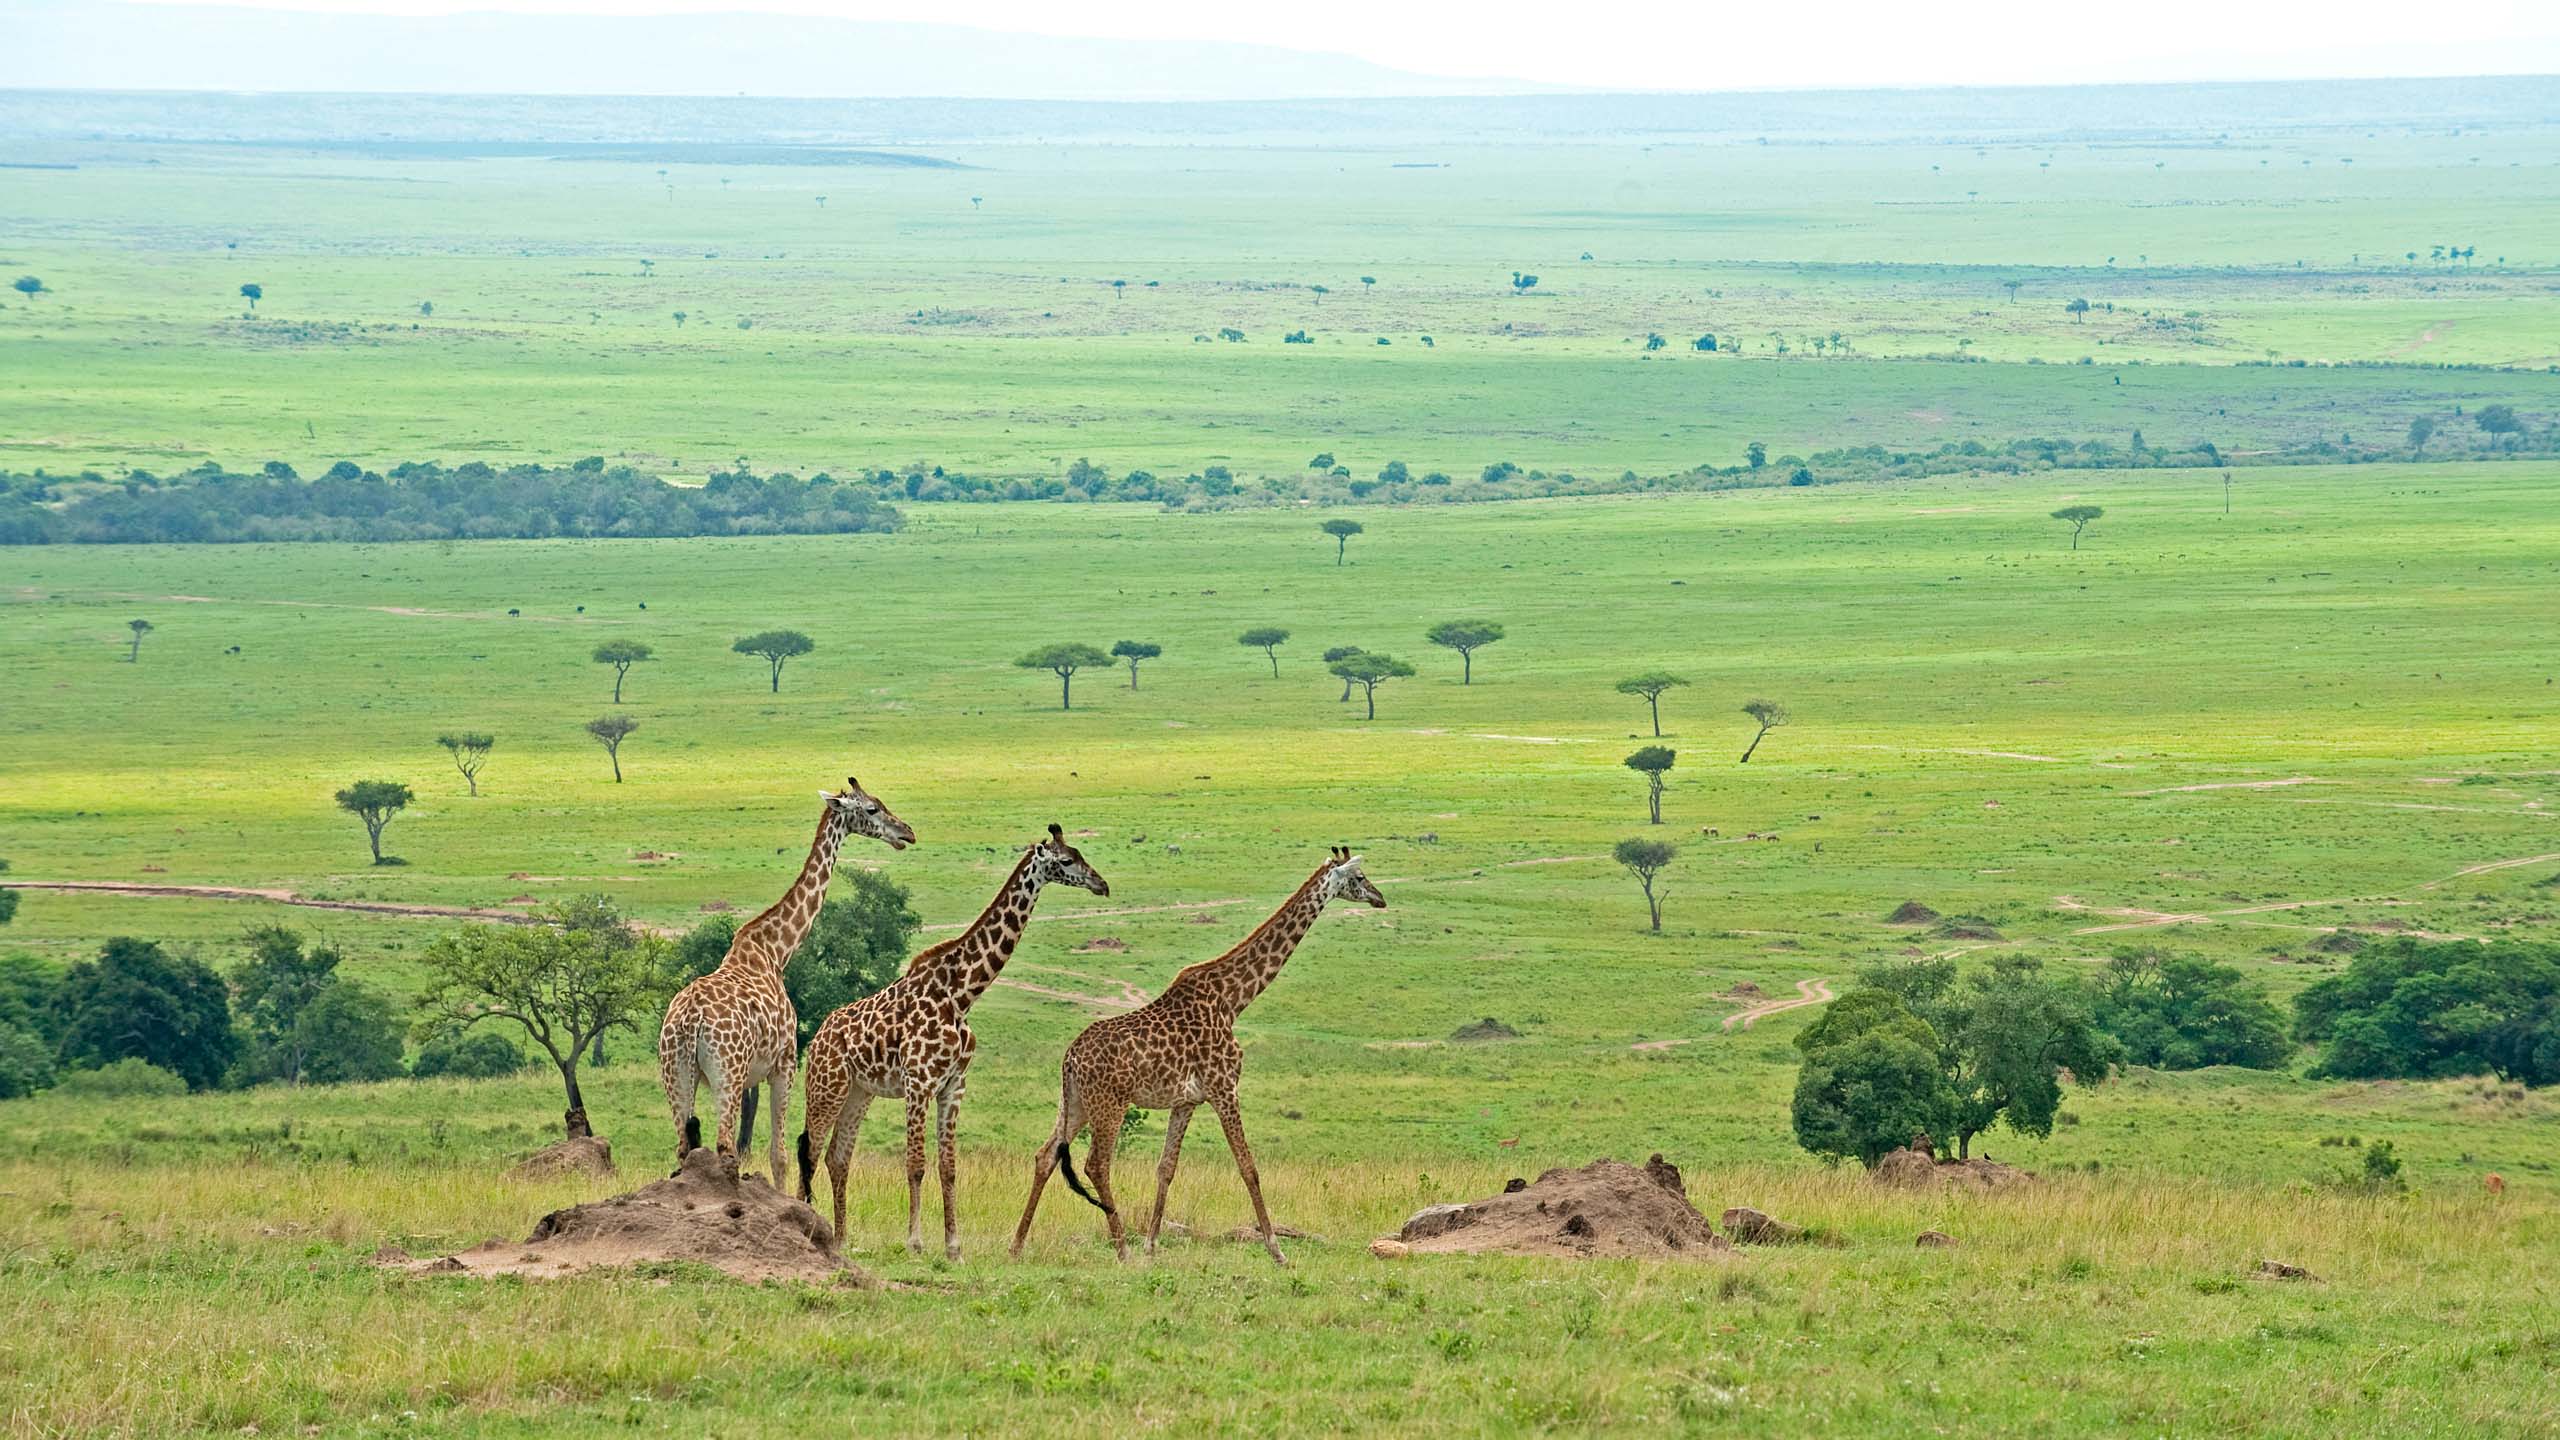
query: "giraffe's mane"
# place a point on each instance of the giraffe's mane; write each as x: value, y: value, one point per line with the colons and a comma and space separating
x: 1249, y: 941
x: 938, y: 949
x: 772, y: 914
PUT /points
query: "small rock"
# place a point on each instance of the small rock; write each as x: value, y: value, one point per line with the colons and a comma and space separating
x: 1665, y: 1174
x: 1514, y: 1185
x: 390, y: 1255
x: 1248, y: 1235
x: 1750, y: 1227
x: 2279, y: 1270
x: 1387, y: 1247
x: 1935, y: 1240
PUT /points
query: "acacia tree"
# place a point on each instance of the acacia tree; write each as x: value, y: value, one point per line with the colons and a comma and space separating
x: 774, y: 647
x: 2078, y: 518
x: 2076, y: 309
x: 610, y: 731
x: 1064, y: 660
x: 1134, y: 651
x: 2007, y: 1034
x: 582, y: 972
x: 1769, y: 714
x: 2421, y: 430
x: 1369, y: 671
x: 139, y: 628
x: 1267, y: 639
x: 253, y: 293
x: 1465, y: 637
x: 1650, y: 686
x: 1341, y: 652
x: 623, y: 654
x: 1652, y: 762
x: 1646, y: 860
x: 374, y: 802
x: 2497, y: 422
x: 470, y: 750
x: 1341, y: 531
x: 29, y: 286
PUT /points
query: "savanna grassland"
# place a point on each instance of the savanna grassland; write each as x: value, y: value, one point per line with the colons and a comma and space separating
x: 2234, y: 732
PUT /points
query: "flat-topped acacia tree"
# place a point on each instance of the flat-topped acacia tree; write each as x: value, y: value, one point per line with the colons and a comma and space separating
x: 1341, y: 531
x: 139, y: 628
x: 1652, y: 762
x: 1369, y: 671
x: 1341, y: 652
x: 610, y: 731
x: 374, y: 802
x: 2078, y: 518
x: 1466, y: 637
x: 1650, y: 686
x: 1134, y: 651
x: 774, y: 647
x: 623, y: 654
x: 1063, y: 661
x: 1646, y: 860
x: 1769, y: 715
x: 1268, y: 639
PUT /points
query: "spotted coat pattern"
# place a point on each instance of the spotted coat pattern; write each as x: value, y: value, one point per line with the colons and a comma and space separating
x: 734, y: 1028
x: 911, y: 1040
x: 1178, y: 1052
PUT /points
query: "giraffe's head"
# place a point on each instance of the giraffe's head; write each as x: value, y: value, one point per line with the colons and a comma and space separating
x: 1055, y: 862
x: 1345, y: 878
x: 860, y: 814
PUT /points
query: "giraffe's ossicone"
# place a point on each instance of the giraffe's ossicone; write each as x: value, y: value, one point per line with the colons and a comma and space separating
x: 734, y: 1029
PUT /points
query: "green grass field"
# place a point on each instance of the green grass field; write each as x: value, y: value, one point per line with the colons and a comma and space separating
x: 2233, y: 733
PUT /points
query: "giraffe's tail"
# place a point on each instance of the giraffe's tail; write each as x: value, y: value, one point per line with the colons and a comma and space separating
x: 1067, y: 1166
x: 808, y: 1167
x: 692, y: 1133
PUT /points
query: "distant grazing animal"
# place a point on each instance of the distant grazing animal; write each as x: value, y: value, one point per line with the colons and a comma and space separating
x: 911, y: 1039
x: 734, y: 1028
x: 1176, y: 1053
x: 2496, y: 1184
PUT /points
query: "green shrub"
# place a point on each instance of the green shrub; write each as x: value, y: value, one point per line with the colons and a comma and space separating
x: 128, y: 1078
x: 478, y: 1055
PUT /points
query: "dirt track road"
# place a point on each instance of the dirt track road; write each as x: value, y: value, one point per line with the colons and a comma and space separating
x: 1808, y: 992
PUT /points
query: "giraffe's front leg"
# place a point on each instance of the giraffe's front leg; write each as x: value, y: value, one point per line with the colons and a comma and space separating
x: 1175, y: 1122
x: 947, y: 1157
x: 1231, y: 1119
x: 919, y: 1111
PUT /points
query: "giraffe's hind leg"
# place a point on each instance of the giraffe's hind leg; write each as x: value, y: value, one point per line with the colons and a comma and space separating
x: 1097, y: 1169
x: 847, y: 1129
x: 1053, y: 1151
x: 1175, y: 1122
x: 746, y: 1123
x: 947, y: 1159
x: 780, y: 1084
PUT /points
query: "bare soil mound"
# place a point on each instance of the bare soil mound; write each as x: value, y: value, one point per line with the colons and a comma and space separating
x: 703, y: 1214
x: 1967, y: 927
x: 1102, y: 943
x: 1745, y: 990
x: 1918, y: 1170
x: 1487, y: 1028
x: 1911, y: 912
x: 585, y: 1155
x: 1603, y: 1210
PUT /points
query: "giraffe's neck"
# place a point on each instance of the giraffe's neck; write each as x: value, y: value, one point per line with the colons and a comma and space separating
x: 964, y: 967
x: 1234, y: 979
x: 769, y: 939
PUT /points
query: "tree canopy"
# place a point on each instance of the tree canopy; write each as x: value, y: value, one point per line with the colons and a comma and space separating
x: 610, y: 731
x: 470, y: 751
x: 2007, y: 1033
x: 775, y: 648
x: 1064, y: 660
x: 137, y: 1001
x: 2419, y: 1009
x: 1466, y: 637
x: 374, y: 802
x: 1369, y: 670
x: 622, y: 655
x: 1134, y: 651
x: 1653, y: 762
x: 1768, y: 715
x: 1341, y: 531
x: 1871, y: 1080
x: 2078, y: 518
x: 1646, y: 860
x: 1268, y: 639
x: 2184, y: 1012
x: 1650, y: 687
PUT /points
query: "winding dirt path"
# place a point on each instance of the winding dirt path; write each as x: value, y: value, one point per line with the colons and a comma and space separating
x: 1808, y: 992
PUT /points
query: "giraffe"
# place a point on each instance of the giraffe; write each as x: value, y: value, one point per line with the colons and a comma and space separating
x: 912, y: 1039
x: 734, y: 1028
x: 1178, y: 1052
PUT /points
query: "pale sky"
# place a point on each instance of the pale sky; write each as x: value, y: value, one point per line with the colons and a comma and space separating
x: 1667, y: 45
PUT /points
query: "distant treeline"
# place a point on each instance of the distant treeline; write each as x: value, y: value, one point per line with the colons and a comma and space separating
x: 478, y: 502
x: 425, y: 502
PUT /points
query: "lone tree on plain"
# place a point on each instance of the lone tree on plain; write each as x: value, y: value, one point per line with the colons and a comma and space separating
x: 139, y: 628
x: 622, y: 655
x: 2076, y: 309
x: 2078, y: 518
x: 253, y: 293
x: 1342, y: 652
x: 1652, y: 762
x: 1268, y: 639
x: 610, y: 731
x: 1465, y: 637
x: 1650, y: 686
x: 29, y: 286
x: 1134, y: 651
x: 1064, y: 661
x: 2421, y: 430
x: 2497, y: 422
x: 567, y: 982
x: 470, y: 750
x: 1646, y: 860
x: 774, y: 647
x: 1370, y: 671
x: 374, y: 802
x: 1341, y: 531
x: 1770, y: 715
